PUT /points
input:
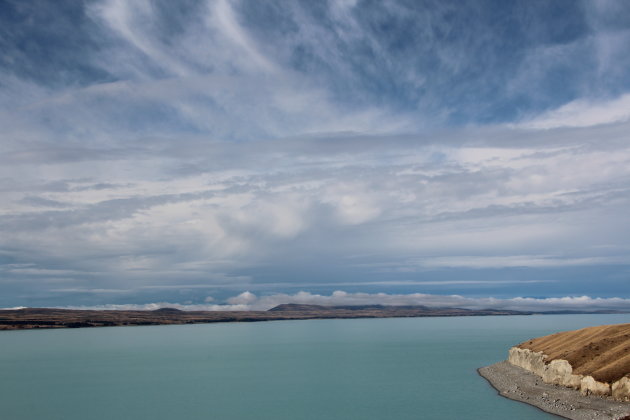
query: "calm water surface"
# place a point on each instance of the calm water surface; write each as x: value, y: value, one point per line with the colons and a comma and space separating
x: 409, y: 368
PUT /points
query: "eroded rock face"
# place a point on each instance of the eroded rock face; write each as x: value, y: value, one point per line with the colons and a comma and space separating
x: 560, y: 372
x: 557, y: 372
x: 621, y: 389
x: 528, y: 360
x: 588, y: 385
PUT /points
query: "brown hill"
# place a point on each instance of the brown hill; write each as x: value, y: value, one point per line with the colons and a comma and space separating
x: 602, y: 352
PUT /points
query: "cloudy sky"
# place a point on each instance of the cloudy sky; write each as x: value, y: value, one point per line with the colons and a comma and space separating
x: 248, y: 153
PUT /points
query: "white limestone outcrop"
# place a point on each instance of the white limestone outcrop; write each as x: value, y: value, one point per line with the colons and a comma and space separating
x: 528, y: 360
x: 589, y: 385
x: 621, y: 389
x: 560, y: 372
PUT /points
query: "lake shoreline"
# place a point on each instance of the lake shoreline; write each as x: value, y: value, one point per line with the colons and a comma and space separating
x: 520, y: 385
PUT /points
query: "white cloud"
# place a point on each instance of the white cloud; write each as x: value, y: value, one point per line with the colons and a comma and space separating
x: 130, y: 21
x: 245, y: 298
x: 224, y: 17
x: 583, y: 113
x: 480, y: 261
x: 432, y: 204
x: 353, y: 202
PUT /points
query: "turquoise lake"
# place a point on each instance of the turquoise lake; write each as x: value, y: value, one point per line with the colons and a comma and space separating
x: 400, y: 368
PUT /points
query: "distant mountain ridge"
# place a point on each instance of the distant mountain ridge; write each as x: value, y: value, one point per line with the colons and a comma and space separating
x: 299, y: 307
x: 292, y: 307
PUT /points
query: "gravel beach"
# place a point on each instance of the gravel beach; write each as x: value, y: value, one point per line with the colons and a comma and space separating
x: 518, y: 384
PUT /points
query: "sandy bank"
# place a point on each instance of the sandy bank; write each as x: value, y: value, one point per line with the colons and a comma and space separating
x: 518, y: 384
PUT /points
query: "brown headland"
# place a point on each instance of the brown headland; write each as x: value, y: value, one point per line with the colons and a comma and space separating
x: 581, y: 374
x: 602, y: 352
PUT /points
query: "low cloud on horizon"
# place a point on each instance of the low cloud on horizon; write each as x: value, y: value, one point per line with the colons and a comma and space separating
x: 248, y: 301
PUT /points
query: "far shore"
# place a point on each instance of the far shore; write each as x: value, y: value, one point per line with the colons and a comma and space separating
x: 45, y: 318
x: 38, y: 318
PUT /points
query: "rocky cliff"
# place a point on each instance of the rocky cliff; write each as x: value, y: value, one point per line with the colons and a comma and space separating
x: 593, y: 360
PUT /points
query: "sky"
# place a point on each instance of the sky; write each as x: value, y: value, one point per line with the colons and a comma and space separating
x: 240, y: 154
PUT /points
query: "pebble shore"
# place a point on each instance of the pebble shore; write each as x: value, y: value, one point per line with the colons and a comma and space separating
x: 518, y: 384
